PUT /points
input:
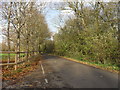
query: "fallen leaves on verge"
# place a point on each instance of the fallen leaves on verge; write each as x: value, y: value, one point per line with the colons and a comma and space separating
x: 23, y: 69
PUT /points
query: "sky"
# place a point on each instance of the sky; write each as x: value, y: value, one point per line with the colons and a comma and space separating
x: 0, y: 27
x: 52, y: 14
x: 50, y: 18
x: 54, y: 17
x: 59, y: 0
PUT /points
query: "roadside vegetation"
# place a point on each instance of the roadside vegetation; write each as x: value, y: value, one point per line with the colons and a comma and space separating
x: 12, y: 56
x: 24, y: 69
x: 25, y: 30
x: 109, y: 67
x: 92, y: 35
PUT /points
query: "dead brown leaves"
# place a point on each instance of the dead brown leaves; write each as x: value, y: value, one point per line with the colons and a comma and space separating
x: 23, y: 69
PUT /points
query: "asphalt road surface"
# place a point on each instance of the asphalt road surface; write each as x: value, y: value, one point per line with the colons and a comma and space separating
x: 62, y: 73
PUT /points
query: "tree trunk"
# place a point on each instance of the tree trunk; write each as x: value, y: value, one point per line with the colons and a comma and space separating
x: 8, y: 31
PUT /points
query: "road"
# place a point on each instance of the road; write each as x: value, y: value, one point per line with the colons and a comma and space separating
x: 62, y: 73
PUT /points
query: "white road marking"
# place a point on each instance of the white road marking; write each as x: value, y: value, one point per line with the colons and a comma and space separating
x: 46, y: 80
x: 43, y: 71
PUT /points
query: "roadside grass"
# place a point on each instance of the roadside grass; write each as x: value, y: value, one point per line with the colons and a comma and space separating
x: 109, y: 67
x: 105, y: 66
x: 4, y: 56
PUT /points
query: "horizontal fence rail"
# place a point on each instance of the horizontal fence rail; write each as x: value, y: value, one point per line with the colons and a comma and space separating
x: 2, y: 52
x: 17, y: 61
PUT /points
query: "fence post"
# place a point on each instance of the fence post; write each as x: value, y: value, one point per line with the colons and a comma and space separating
x: 8, y: 60
x: 16, y: 61
x: 17, y: 58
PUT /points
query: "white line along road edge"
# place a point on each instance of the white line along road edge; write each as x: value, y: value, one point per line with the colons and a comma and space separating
x: 43, y: 71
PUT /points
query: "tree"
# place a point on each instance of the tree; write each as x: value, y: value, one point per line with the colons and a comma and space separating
x: 91, y: 35
x: 27, y: 24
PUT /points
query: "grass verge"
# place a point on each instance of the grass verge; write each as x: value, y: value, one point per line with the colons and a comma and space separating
x: 108, y: 67
x: 4, y: 56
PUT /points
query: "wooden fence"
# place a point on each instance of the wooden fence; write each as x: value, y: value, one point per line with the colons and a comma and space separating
x: 18, y: 59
